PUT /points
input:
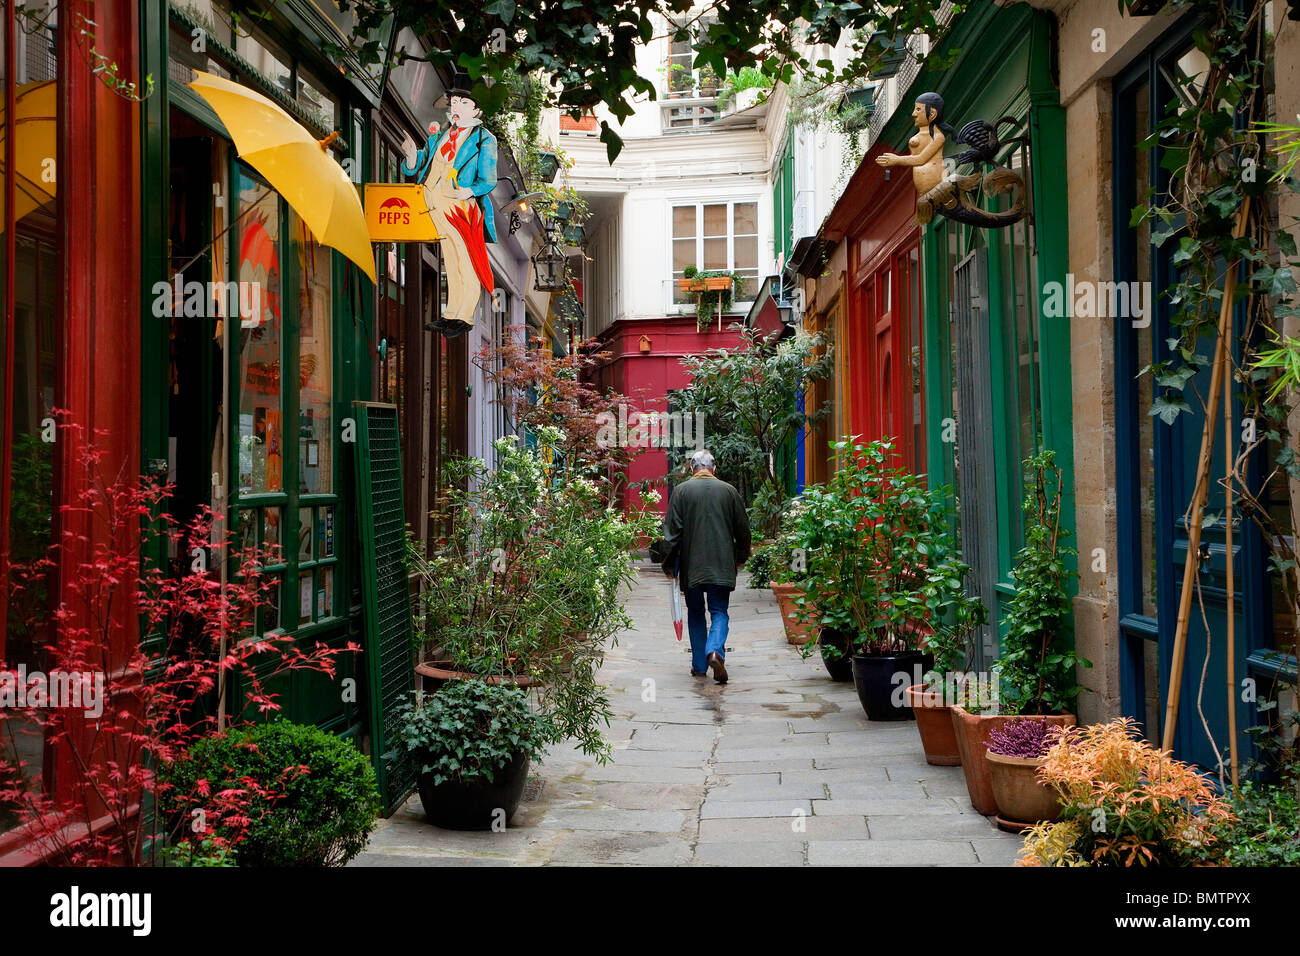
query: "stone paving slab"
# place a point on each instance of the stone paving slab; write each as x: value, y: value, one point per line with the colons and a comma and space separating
x: 777, y: 768
x: 791, y: 827
x: 890, y: 853
x: 750, y: 854
x: 715, y: 809
x: 887, y: 806
x: 970, y: 826
x: 636, y: 821
x: 751, y: 787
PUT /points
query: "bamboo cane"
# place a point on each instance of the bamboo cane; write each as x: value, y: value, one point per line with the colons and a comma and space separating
x: 1197, y: 507
x: 1232, y: 592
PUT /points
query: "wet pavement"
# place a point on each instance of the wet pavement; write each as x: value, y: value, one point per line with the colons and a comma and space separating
x: 778, y: 767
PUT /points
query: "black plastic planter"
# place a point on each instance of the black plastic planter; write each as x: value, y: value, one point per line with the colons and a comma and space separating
x: 882, y: 682
x: 839, y: 667
x: 473, y: 806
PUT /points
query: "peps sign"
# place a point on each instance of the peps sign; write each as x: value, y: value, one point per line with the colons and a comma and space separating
x: 398, y: 212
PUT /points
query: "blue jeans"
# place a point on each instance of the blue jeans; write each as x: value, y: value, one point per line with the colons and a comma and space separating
x: 708, y: 638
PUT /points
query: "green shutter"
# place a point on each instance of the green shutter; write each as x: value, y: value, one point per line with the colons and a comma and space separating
x: 385, y: 593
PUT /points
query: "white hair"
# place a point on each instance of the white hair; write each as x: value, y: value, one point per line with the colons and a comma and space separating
x: 702, y: 460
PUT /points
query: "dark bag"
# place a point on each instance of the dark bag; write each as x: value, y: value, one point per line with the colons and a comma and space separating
x: 660, y: 552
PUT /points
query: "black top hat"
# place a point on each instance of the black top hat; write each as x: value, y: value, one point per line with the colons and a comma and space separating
x: 461, y: 85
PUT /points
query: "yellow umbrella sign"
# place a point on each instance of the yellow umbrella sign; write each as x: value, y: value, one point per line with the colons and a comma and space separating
x: 398, y: 212
x: 295, y: 164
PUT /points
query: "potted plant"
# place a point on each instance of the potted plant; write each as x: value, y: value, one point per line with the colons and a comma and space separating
x: 1125, y: 803
x: 882, y: 572
x: 471, y: 744
x: 525, y: 587
x: 951, y: 680
x: 1015, y: 752
x: 785, y: 563
x: 1036, y: 671
x: 1035, y: 674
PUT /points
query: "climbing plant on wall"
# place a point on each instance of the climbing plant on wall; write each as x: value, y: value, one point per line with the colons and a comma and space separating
x: 1221, y: 207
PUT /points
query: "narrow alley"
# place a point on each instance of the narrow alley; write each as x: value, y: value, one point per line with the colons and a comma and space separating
x: 778, y: 767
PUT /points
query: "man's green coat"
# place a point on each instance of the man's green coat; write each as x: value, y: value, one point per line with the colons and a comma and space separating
x: 706, y: 532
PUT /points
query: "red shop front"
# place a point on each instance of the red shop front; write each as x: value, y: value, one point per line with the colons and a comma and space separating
x: 876, y: 217
x: 71, y: 349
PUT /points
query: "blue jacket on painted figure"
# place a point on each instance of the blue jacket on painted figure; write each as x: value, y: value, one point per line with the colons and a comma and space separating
x: 476, y: 169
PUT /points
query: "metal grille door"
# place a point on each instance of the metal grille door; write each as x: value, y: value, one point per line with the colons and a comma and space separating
x: 974, y: 464
x: 385, y: 593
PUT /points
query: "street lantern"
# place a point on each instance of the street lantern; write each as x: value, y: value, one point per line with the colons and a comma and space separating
x: 550, y: 268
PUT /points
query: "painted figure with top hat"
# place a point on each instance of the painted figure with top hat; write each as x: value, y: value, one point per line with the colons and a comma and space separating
x: 458, y: 167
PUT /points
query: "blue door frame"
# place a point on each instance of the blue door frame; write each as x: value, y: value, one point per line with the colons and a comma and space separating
x: 1174, y: 451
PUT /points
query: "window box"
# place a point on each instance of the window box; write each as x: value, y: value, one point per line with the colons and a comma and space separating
x: 707, y: 284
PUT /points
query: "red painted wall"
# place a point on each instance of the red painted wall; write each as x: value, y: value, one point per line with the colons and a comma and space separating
x: 647, y: 377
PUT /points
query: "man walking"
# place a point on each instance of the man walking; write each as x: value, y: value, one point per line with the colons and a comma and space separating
x: 706, y: 535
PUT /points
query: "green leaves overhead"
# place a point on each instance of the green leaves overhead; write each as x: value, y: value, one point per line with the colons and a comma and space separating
x: 588, y: 48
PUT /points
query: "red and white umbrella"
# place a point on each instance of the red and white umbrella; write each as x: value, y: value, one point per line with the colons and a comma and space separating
x: 677, y: 607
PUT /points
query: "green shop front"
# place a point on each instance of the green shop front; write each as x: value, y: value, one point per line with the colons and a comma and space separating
x: 996, y: 371
x: 249, y: 409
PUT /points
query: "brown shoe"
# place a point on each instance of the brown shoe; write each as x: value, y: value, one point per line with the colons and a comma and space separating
x: 719, y: 668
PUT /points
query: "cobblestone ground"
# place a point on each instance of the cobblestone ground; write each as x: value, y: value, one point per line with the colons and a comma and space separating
x: 710, y: 774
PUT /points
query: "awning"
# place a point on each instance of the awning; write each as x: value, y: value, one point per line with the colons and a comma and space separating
x: 771, y: 314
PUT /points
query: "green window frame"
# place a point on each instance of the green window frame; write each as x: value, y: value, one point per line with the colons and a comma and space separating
x: 306, y: 524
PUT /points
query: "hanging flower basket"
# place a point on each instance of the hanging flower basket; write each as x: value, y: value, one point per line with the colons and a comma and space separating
x: 548, y: 164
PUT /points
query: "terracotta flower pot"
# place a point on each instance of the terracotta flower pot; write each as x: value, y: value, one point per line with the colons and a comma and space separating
x: 796, y: 633
x: 437, y: 673
x: 1022, y: 798
x: 972, y: 732
x: 934, y: 722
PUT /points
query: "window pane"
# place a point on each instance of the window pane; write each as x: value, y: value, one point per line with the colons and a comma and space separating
x: 315, y: 102
x: 306, y: 531
x: 325, y: 597
x: 271, y: 527
x: 683, y: 254
x: 747, y: 253
x: 715, y: 253
x: 715, y: 220
x: 681, y: 81
x: 745, y: 217
x: 683, y: 222
x: 315, y: 367
x: 306, y: 597
x: 261, y: 434
x: 266, y: 58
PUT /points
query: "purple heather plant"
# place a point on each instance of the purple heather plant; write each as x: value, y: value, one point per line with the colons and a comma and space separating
x: 1027, y: 738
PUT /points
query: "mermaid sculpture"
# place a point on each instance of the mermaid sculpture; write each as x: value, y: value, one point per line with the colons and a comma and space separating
x: 946, y: 192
